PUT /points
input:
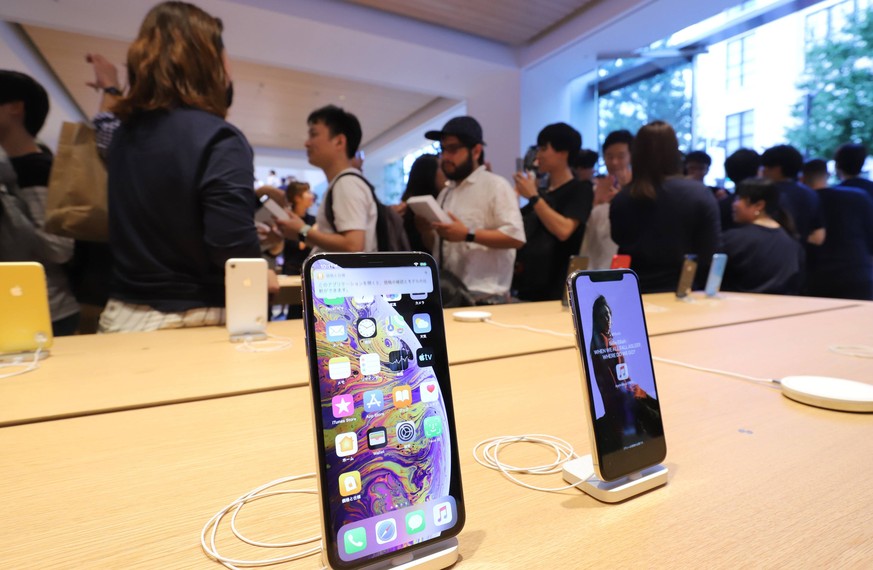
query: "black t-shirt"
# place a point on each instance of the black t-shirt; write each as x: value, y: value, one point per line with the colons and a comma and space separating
x: 762, y: 260
x: 845, y: 256
x: 32, y: 169
x: 541, y: 263
x: 803, y: 205
x: 181, y: 203
x: 858, y: 182
x: 657, y: 234
x: 293, y: 257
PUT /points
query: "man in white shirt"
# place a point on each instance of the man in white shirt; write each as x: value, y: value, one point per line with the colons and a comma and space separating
x: 346, y: 219
x: 479, y: 245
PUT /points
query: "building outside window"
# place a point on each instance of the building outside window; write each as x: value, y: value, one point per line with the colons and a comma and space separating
x: 739, y: 58
x: 739, y: 131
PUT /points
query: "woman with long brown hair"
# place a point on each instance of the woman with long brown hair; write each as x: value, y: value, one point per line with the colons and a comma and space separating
x: 180, y: 177
x: 661, y: 216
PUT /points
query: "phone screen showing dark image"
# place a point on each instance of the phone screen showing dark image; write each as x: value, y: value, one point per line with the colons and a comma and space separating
x: 622, y: 395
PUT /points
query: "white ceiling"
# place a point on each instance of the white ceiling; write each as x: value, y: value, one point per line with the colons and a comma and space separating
x: 396, y: 67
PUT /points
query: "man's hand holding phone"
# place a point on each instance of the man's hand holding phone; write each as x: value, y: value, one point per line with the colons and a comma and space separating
x: 525, y: 184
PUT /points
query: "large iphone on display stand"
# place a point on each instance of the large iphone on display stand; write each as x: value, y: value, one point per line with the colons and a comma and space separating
x: 622, y: 404
x: 387, y: 453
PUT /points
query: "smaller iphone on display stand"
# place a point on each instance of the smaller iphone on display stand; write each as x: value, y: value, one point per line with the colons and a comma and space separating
x: 246, y: 298
x: 621, y: 400
x: 716, y: 274
x: 686, y: 277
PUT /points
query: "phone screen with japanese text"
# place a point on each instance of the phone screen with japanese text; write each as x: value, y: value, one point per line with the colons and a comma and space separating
x: 389, y: 473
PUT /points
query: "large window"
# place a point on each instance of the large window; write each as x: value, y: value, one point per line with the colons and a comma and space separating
x: 665, y: 96
x: 739, y: 131
x: 396, y: 174
x: 825, y: 24
x: 739, y: 57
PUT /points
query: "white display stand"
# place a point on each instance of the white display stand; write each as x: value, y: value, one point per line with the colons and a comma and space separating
x: 435, y: 557
x: 580, y: 472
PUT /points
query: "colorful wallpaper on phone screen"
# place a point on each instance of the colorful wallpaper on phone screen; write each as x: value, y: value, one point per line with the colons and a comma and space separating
x: 400, y: 474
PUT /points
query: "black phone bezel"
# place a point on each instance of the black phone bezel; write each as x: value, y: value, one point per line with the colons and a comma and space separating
x: 617, y: 464
x: 381, y: 259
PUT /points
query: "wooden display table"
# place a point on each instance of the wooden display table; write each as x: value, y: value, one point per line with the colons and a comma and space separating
x: 756, y: 480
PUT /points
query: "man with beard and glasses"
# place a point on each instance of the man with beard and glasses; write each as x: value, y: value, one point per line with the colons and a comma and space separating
x: 479, y: 245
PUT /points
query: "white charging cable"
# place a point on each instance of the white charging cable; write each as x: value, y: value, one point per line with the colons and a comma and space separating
x: 19, y: 361
x: 716, y: 371
x: 487, y: 454
x: 857, y: 350
x: 849, y: 350
x: 210, y: 530
x: 527, y: 328
x: 272, y: 343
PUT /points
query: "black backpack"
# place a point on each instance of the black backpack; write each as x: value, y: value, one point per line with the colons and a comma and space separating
x: 390, y: 233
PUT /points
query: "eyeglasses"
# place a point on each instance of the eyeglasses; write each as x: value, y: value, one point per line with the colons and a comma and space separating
x: 450, y: 148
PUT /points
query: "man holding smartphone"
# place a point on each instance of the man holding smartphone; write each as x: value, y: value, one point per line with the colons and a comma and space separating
x: 597, y: 243
x: 553, y: 222
x: 478, y: 245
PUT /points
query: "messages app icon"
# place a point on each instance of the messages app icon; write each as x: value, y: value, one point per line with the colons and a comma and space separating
x: 415, y: 522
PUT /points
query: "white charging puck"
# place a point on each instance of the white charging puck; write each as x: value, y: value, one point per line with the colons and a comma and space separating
x: 471, y: 316
x: 830, y: 393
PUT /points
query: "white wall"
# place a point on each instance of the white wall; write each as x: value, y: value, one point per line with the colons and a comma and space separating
x: 16, y: 55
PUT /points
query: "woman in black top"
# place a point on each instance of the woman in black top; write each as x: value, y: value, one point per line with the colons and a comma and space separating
x: 763, y: 254
x: 300, y: 198
x: 660, y: 216
x: 181, y: 201
x: 426, y: 178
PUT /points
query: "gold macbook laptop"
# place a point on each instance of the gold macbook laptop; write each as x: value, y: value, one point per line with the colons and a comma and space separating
x: 25, y: 323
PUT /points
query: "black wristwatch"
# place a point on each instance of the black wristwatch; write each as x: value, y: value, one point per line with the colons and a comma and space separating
x: 304, y: 231
x: 112, y: 91
x: 471, y: 236
x: 533, y: 200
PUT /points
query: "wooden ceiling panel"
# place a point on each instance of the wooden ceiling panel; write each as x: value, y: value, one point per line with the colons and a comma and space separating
x: 270, y: 103
x: 512, y: 22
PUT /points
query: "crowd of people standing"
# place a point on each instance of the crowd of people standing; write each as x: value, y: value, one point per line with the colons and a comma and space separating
x: 182, y: 200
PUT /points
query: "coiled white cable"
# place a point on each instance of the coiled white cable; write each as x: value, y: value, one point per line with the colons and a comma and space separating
x: 210, y: 530
x: 487, y: 454
x: 32, y: 365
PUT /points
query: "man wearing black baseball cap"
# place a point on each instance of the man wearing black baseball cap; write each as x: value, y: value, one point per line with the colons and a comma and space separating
x: 479, y: 245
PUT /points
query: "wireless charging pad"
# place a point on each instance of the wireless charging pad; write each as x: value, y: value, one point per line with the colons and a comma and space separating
x: 471, y: 316
x: 830, y: 393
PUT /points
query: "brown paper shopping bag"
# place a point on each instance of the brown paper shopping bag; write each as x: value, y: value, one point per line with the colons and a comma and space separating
x: 77, y: 203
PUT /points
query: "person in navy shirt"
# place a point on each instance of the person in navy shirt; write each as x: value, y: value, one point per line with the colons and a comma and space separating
x: 843, y: 266
x: 661, y: 216
x: 763, y: 254
x: 850, y: 159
